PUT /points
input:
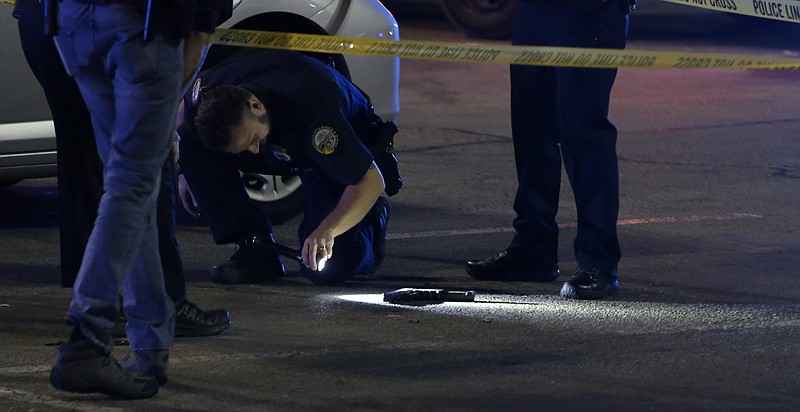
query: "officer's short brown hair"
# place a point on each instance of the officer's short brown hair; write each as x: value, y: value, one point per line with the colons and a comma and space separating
x: 220, y: 109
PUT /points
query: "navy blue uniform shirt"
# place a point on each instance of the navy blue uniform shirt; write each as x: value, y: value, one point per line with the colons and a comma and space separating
x: 316, y: 114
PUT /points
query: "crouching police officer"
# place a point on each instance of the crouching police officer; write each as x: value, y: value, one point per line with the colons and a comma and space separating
x: 284, y: 113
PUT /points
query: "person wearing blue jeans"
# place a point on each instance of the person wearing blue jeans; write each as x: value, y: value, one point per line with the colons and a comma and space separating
x: 559, y: 115
x: 80, y: 176
x: 127, y: 57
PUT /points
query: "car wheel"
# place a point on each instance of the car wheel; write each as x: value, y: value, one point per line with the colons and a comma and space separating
x: 279, y: 197
x: 487, y: 19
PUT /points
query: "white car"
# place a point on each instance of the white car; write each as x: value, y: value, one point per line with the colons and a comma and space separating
x: 27, y: 136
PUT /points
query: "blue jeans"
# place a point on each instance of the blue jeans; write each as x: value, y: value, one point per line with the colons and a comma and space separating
x: 131, y: 88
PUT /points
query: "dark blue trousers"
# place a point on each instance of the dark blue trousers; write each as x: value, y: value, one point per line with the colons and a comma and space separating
x: 560, y: 117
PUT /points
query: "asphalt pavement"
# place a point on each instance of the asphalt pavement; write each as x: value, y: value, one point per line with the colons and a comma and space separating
x: 708, y: 318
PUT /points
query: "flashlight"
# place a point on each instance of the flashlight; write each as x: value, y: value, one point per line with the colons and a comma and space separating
x: 295, y: 254
x: 321, y: 260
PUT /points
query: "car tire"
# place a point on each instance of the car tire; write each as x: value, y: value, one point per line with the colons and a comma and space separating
x: 486, y: 19
x: 279, y: 197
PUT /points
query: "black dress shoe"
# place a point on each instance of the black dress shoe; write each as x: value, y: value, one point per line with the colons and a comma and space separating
x: 193, y: 321
x: 590, y: 284
x: 251, y: 263
x: 506, y: 267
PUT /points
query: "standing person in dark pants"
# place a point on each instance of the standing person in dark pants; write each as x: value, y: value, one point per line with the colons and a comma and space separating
x: 561, y: 114
x: 80, y: 177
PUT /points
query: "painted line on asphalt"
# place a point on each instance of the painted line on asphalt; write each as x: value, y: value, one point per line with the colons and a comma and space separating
x: 625, y: 222
x: 23, y: 370
x: 29, y: 398
x: 9, y: 393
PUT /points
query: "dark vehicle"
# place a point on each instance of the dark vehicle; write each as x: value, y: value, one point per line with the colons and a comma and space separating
x: 487, y: 19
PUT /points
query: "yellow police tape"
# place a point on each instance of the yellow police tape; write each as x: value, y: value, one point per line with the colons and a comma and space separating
x: 490, y: 53
x: 784, y: 10
x: 529, y: 55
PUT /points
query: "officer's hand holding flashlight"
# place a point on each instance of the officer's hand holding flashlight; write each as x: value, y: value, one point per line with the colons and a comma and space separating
x: 317, y: 249
x: 354, y: 204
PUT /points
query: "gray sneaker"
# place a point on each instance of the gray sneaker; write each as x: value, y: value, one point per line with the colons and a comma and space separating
x: 85, y: 367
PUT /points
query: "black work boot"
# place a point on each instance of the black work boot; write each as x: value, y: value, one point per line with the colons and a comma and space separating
x: 150, y: 364
x: 190, y: 320
x: 504, y: 266
x: 84, y: 367
x: 590, y: 284
x: 251, y: 263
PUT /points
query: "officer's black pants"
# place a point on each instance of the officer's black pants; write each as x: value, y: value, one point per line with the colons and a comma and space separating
x: 561, y: 114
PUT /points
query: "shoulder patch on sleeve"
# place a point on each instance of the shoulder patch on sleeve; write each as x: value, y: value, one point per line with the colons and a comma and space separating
x: 325, y: 140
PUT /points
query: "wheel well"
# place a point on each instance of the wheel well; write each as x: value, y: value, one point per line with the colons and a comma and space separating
x: 281, y: 22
